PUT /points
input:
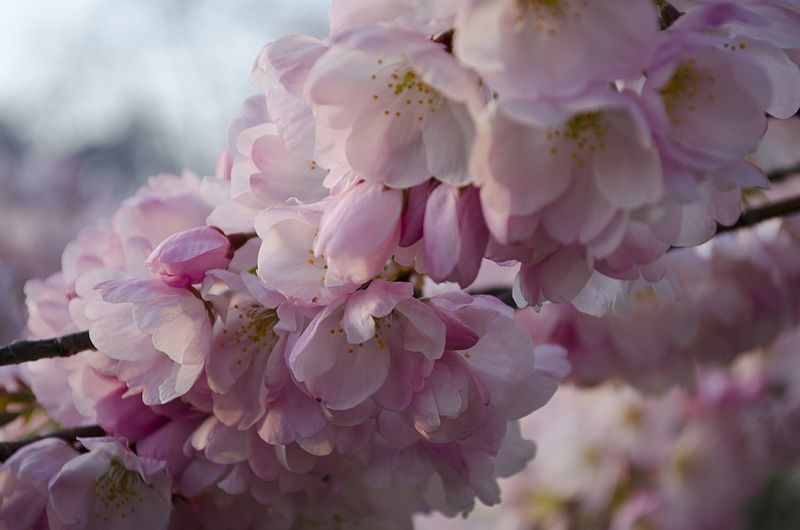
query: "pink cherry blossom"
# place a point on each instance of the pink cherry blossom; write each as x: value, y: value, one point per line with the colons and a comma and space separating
x: 528, y: 48
x: 716, y: 305
x: 183, y: 258
x: 281, y: 70
x: 455, y: 234
x: 287, y: 261
x: 128, y: 321
x: 268, y: 169
x: 666, y: 461
x: 377, y: 342
x: 166, y: 206
x: 400, y: 106
x: 109, y: 487
x: 359, y: 231
x: 24, y: 482
x: 689, y: 86
x: 762, y: 32
x: 499, y: 353
x: 581, y: 141
x: 435, y: 17
x: 159, y: 334
x: 577, y: 147
x: 246, y: 370
x: 49, y: 316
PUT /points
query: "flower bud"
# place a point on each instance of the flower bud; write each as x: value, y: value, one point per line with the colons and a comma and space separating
x: 183, y: 258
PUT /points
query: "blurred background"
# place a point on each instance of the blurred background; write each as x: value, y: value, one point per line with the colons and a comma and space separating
x: 96, y: 96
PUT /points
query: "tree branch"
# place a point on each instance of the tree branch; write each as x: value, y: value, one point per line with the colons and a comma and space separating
x: 755, y: 216
x: 504, y: 294
x: 781, y: 174
x: 68, y: 345
x: 32, y: 350
x: 748, y: 219
x: 445, y: 39
x: 669, y: 15
x: 238, y: 239
x: 68, y: 435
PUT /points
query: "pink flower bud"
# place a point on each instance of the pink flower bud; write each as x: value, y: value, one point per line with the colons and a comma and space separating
x: 183, y: 258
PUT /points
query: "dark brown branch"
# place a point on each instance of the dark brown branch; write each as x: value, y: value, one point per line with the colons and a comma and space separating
x: 31, y: 350
x: 504, y: 294
x: 240, y: 238
x: 8, y: 417
x: 748, y: 219
x: 763, y: 213
x: 68, y: 435
x: 446, y: 39
x: 783, y: 173
x: 668, y: 14
x: 68, y: 345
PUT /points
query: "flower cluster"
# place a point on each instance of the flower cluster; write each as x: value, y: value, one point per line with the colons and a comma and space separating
x: 737, y: 293
x: 48, y: 484
x: 266, y: 353
x: 296, y: 400
x: 574, y: 138
x: 722, y: 454
x: 725, y: 298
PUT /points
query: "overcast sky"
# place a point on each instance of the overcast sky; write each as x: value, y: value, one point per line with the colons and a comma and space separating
x: 95, y: 95
x: 73, y: 72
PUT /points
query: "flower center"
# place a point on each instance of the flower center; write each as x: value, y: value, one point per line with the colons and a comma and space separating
x: 581, y: 136
x: 118, y: 493
x: 400, y: 92
x: 382, y: 325
x: 318, y: 262
x: 645, y: 297
x: 251, y: 333
x: 555, y: 7
x: 547, y: 14
x: 686, y: 89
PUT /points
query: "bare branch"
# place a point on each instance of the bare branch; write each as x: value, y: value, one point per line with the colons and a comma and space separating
x: 781, y: 174
x: 669, y: 14
x: 445, y: 39
x: 31, y: 350
x: 504, y: 294
x: 748, y: 219
x: 68, y: 435
x: 238, y: 239
x: 763, y: 213
x: 68, y: 345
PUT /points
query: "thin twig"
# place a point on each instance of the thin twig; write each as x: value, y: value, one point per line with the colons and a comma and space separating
x: 783, y: 173
x: 504, y: 294
x: 748, y: 219
x: 68, y: 345
x: 31, y: 350
x: 668, y: 14
x: 755, y: 216
x: 445, y: 39
x: 238, y: 239
x: 68, y: 435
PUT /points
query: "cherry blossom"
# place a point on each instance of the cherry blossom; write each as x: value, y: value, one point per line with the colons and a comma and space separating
x: 555, y: 48
x: 109, y: 487
x: 183, y: 258
x: 400, y: 106
x: 25, y: 478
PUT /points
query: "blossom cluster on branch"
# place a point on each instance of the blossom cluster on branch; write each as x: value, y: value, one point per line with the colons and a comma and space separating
x: 268, y: 352
x: 719, y: 453
x: 736, y: 294
x: 301, y: 409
